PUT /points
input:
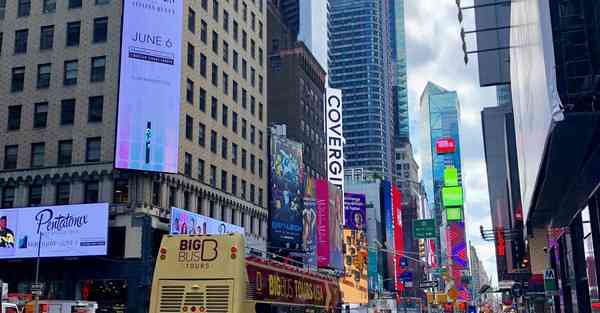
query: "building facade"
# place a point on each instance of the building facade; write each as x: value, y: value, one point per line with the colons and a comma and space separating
x: 399, y: 87
x: 58, y: 139
x: 360, y: 65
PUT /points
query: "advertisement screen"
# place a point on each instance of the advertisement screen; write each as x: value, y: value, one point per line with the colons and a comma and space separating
x: 309, y: 227
x: 454, y: 214
x: 398, y: 237
x: 287, y: 192
x: 386, y: 196
x: 335, y: 138
x: 450, y: 176
x: 66, y: 230
x: 336, y: 226
x: 323, y: 244
x: 188, y: 223
x: 452, y: 196
x: 149, y: 86
x: 353, y: 284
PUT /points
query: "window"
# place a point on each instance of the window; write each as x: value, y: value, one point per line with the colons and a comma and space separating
x: 260, y: 57
x: 253, y: 21
x: 215, y: 42
x: 46, y: 37
x: 49, y: 6
x: 253, y: 49
x: 225, y: 115
x: 244, y: 98
x: 204, y: 4
x: 244, y: 128
x: 260, y: 29
x: 213, y: 176
x: 201, y: 170
x: 70, y: 73
x: 63, y: 193
x: 23, y: 8
x: 40, y: 115
x: 252, y: 134
x: 215, y: 75
x: 91, y: 191
x: 65, y: 152
x: 260, y: 111
x: 215, y: 7
x: 100, y: 29
x: 8, y: 197
x: 252, y: 77
x: 187, y: 168
x: 235, y: 60
x: 201, y: 134
x: 252, y: 193
x: 35, y: 195
x: 95, y: 108
x: 234, y: 90
x: 172, y: 196
x: 260, y: 139
x: 191, y: 51
x: 243, y: 195
x: 234, y: 185
x: 93, y: 149
x: 213, y: 141
x: 244, y: 157
x: 224, y: 180
x: 244, y: 40
x: 191, y: 20
x: 67, y: 112
x: 213, y: 108
x: 18, y: 79
x: 21, y: 41
x: 252, y: 105
x: 189, y: 127
x: 234, y: 121
x: 245, y: 11
x: 1, y: 34
x: 10, y: 157
x: 121, y: 190
x: 2, y: 9
x: 225, y: 83
x: 260, y: 197
x: 244, y: 69
x: 234, y: 150
x: 202, y: 104
x: 225, y: 52
x: 224, y: 146
x: 203, y: 65
x: 73, y: 30
x: 203, y: 31
x: 235, y: 31
x: 74, y: 4
x: 98, y: 69
x: 260, y: 168
x: 226, y: 20
x: 252, y: 164
x: 101, y: 2
x: 14, y: 117
x: 156, y: 191
x: 260, y: 84
x: 37, y: 154
x: 43, y: 76
x: 189, y: 91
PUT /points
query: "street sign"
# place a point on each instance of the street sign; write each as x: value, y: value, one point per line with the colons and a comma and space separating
x: 550, y: 281
x: 452, y: 294
x: 424, y: 229
x: 406, y: 277
x: 428, y: 284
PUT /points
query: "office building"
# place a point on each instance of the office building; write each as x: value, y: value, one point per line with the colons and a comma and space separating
x: 399, y: 87
x: 360, y: 65
x: 60, y: 90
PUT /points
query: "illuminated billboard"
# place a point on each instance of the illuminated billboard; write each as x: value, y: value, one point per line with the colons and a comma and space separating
x: 445, y: 145
x: 386, y: 199
x: 454, y: 214
x: 354, y: 283
x: 329, y: 225
x: 335, y: 138
x: 286, y: 193
x: 398, y: 236
x: 450, y: 176
x: 188, y: 223
x: 452, y: 196
x: 149, y: 86
x: 65, y: 230
x: 309, y: 225
x: 336, y: 226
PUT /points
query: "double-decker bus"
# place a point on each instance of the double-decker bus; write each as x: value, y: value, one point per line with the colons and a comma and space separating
x: 211, y: 274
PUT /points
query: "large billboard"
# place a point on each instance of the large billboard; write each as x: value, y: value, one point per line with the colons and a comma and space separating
x: 188, y: 223
x: 336, y: 226
x: 353, y: 283
x: 387, y: 214
x: 335, y: 138
x: 66, y: 230
x: 149, y: 86
x: 309, y: 225
x: 286, y: 193
x: 329, y: 225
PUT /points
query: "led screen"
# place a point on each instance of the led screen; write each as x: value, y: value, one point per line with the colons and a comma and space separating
x: 454, y: 214
x: 450, y: 176
x: 452, y: 196
x: 187, y: 223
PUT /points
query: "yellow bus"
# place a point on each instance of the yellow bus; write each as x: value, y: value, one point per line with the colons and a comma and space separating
x: 211, y: 274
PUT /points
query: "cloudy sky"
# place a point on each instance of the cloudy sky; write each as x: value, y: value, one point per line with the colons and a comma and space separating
x: 435, y: 54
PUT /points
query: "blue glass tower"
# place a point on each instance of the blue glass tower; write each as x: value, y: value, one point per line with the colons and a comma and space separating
x: 399, y: 88
x: 360, y: 65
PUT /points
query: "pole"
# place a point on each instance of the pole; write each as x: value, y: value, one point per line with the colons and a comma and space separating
x: 36, y: 308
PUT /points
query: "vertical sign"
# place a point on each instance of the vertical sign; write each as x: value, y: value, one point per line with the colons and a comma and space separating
x: 309, y: 222
x: 398, y: 235
x: 336, y: 226
x: 149, y: 86
x: 322, y: 193
x: 354, y: 284
x: 386, y: 196
x: 335, y: 138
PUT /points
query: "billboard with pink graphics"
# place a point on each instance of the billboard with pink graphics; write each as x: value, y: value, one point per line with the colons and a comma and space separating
x: 322, y: 195
x: 149, y: 86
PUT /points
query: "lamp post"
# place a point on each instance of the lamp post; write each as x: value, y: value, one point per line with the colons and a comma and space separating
x: 37, y: 274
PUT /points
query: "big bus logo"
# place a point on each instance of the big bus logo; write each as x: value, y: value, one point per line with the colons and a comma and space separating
x: 197, y: 250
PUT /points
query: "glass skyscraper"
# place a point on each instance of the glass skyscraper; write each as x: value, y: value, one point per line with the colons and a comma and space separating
x: 399, y: 89
x: 360, y: 65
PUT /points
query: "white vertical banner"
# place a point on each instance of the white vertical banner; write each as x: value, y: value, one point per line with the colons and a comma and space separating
x: 335, y: 138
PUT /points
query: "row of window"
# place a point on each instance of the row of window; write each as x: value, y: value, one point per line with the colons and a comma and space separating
x: 47, y: 6
x: 191, y: 24
x: 67, y: 113
x: 62, y: 195
x: 72, y: 35
x: 236, y: 8
x: 70, y: 74
x: 93, y: 153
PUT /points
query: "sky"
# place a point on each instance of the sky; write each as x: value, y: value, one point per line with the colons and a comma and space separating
x: 434, y: 54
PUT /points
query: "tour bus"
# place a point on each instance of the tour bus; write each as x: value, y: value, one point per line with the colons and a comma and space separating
x: 211, y: 274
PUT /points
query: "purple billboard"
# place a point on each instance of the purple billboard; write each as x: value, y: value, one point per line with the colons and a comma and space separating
x: 355, y: 211
x: 309, y: 227
x: 149, y: 86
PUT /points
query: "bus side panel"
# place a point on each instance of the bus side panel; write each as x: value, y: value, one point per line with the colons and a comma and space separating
x: 209, y: 296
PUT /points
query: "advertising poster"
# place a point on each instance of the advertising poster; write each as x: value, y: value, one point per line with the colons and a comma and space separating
x: 66, y: 230
x: 457, y: 251
x: 323, y: 244
x: 335, y: 138
x: 354, y: 282
x: 336, y: 226
x: 309, y: 227
x: 287, y: 192
x: 398, y: 235
x: 150, y: 86
x: 386, y: 199
x: 188, y: 223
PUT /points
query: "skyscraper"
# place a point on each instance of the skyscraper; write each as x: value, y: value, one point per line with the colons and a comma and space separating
x: 360, y: 65
x: 399, y: 85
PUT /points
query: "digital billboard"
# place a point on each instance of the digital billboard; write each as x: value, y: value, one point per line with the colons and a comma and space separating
x: 450, y: 176
x: 309, y: 225
x: 188, y: 223
x: 386, y: 199
x: 329, y: 225
x: 336, y: 226
x: 354, y: 282
x: 445, y: 145
x: 398, y: 236
x: 323, y: 244
x: 66, y: 230
x: 335, y: 138
x: 452, y: 196
x: 454, y: 213
x: 149, y: 86
x: 286, y: 193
